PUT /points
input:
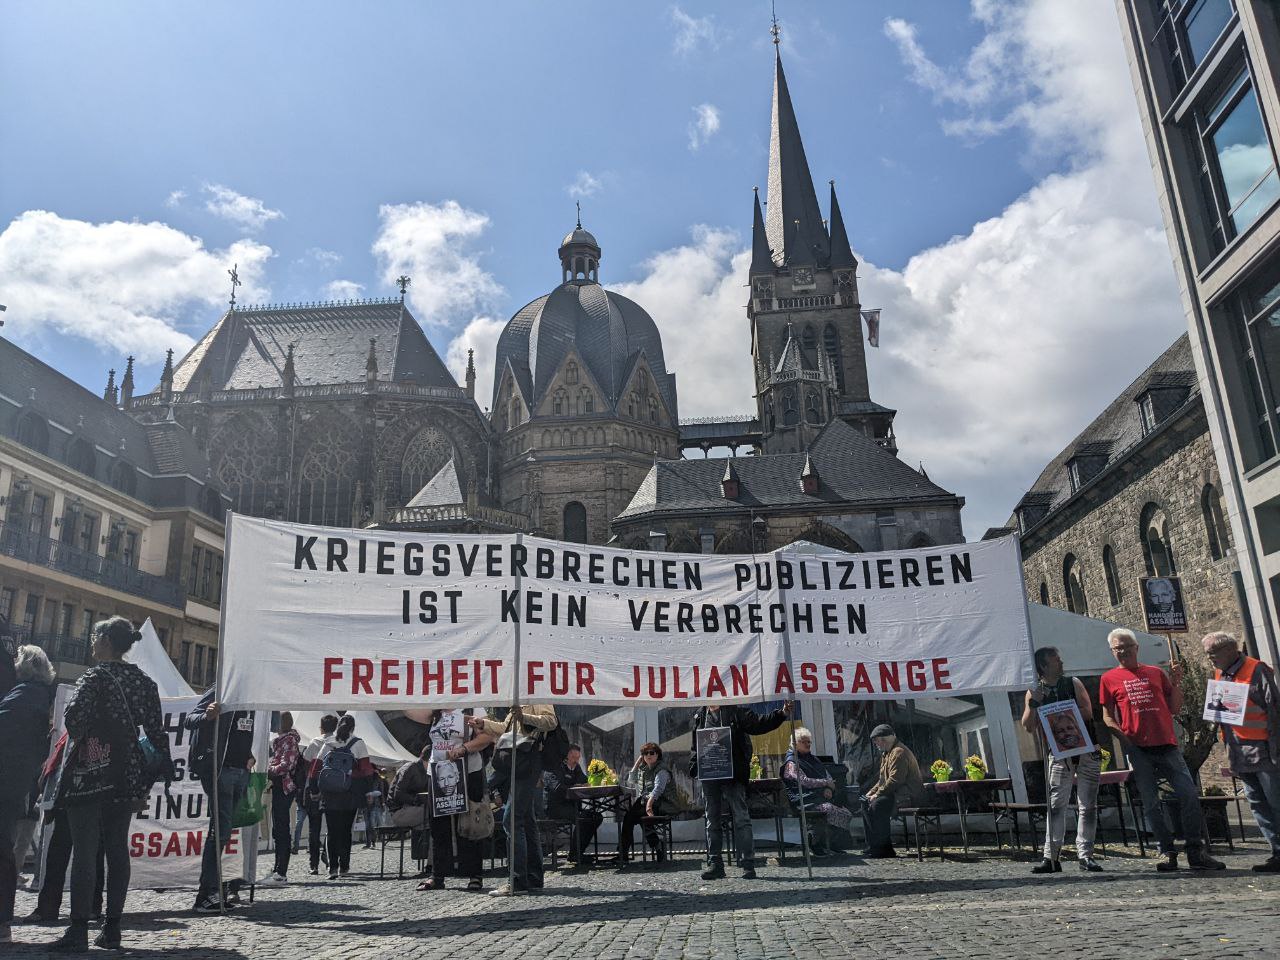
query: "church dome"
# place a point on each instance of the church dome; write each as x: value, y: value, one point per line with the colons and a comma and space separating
x: 608, y: 332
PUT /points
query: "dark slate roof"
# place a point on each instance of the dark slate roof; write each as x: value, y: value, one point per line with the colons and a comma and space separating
x: 1118, y: 428
x: 608, y: 331
x: 441, y: 489
x: 246, y: 348
x: 852, y: 470
x: 791, y: 196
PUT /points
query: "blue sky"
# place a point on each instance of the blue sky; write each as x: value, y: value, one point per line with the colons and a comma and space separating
x: 327, y: 146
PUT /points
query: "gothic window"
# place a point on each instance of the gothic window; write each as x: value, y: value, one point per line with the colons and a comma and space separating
x: 557, y: 403
x: 831, y: 344
x: 1215, y: 525
x: 1157, y: 550
x: 644, y: 383
x: 571, y: 373
x: 124, y: 477
x: 769, y: 419
x: 1044, y: 594
x: 1113, y: 575
x: 81, y: 456
x: 764, y: 288
x: 586, y: 401
x: 809, y: 340
x: 653, y: 410
x: 515, y: 413
x: 631, y: 405
x: 327, y: 472
x: 245, y: 466
x: 790, y: 415
x: 424, y: 456
x: 920, y: 541
x: 575, y: 522
x: 1073, y: 585
x: 33, y: 432
x: 812, y: 412
x: 826, y: 535
x: 844, y: 282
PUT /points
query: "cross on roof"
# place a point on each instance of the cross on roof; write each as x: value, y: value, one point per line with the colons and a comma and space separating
x: 233, y: 273
x: 403, y: 282
x: 775, y: 30
x: 578, y: 205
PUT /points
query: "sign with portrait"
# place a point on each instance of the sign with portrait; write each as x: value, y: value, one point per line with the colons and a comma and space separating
x: 448, y: 788
x: 1225, y: 702
x: 1064, y: 729
x: 715, y: 753
x: 1162, y: 604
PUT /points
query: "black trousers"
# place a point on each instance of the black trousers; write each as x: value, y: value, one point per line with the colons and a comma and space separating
x: 56, y: 860
x: 630, y: 820
x: 95, y: 827
x: 443, y: 840
x: 282, y: 826
x: 339, y: 823
x: 315, y: 817
x: 877, y: 818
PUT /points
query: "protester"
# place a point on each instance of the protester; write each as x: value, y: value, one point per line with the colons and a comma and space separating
x: 24, y: 743
x: 344, y: 776
x: 407, y: 800
x: 1253, y: 747
x: 742, y: 724
x: 453, y: 741
x: 654, y: 791
x: 805, y: 775
x: 105, y: 779
x: 899, y: 785
x: 8, y: 651
x: 1138, y: 703
x: 556, y: 784
x: 374, y: 807
x: 284, y: 770
x: 232, y: 734
x: 1084, y: 770
x: 520, y: 738
x: 311, y: 794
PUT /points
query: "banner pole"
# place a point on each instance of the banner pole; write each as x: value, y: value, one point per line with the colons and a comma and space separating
x: 217, y: 693
x: 786, y: 653
x: 515, y: 733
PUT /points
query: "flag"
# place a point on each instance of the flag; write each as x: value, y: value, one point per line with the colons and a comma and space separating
x: 873, y: 326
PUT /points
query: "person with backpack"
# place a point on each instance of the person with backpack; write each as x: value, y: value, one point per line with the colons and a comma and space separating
x: 283, y: 771
x: 518, y: 762
x: 344, y: 776
x: 108, y: 775
x: 310, y: 801
x: 452, y: 741
x: 232, y: 732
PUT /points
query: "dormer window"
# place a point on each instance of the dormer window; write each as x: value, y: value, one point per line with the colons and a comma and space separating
x: 1147, y: 410
x: 730, y: 486
x: 571, y: 373
x: 1165, y: 392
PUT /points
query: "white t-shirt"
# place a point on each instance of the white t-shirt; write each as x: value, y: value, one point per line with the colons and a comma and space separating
x: 358, y: 748
x: 312, y: 749
x: 451, y: 731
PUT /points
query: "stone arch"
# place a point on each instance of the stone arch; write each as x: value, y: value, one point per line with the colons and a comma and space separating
x: 575, y: 522
x: 1215, y: 524
x: 1073, y: 585
x: 825, y: 535
x: 33, y: 432
x: 920, y: 541
x: 245, y: 447
x: 424, y: 455
x: 736, y: 540
x: 82, y: 457
x: 1157, y: 548
x: 579, y: 437
x: 124, y: 477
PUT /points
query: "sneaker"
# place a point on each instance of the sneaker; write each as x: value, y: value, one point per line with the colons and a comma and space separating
x: 714, y: 872
x: 748, y: 873
x: 506, y: 890
x: 272, y: 880
x: 1270, y: 865
x: 1089, y: 865
x: 333, y: 874
x: 209, y: 904
x: 315, y: 871
x: 1047, y: 866
x: 1167, y: 862
x: 1199, y: 860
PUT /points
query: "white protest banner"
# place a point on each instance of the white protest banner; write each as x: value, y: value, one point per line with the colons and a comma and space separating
x: 1225, y: 702
x: 318, y: 618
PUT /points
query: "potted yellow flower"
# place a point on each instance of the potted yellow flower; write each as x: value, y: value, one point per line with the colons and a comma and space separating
x: 756, y: 770
x: 596, y: 770
x: 975, y: 768
x: 941, y: 770
x: 1106, y: 759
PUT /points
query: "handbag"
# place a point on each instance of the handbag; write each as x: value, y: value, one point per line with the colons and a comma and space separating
x: 477, y: 822
x: 156, y: 765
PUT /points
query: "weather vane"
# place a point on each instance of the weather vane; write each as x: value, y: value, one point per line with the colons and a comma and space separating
x: 775, y: 30
x: 578, y: 204
x: 403, y: 282
x: 235, y: 282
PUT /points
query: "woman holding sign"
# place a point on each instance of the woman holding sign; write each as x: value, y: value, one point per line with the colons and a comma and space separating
x: 456, y: 774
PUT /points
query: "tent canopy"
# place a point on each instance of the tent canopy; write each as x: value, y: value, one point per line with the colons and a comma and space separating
x: 384, y: 749
x: 1082, y: 641
x: 148, y: 653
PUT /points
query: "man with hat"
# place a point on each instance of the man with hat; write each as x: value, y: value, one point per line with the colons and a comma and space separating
x: 899, y: 785
x: 1253, y: 746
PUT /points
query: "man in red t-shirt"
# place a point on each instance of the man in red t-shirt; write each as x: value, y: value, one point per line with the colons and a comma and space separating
x: 1138, y: 704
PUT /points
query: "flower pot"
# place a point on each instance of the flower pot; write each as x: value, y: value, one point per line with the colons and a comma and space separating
x: 942, y: 776
x: 594, y: 779
x: 973, y: 773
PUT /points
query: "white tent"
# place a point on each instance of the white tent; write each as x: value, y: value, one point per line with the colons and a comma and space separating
x: 384, y: 749
x: 148, y: 653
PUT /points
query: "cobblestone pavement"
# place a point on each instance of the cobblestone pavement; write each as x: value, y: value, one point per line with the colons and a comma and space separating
x: 983, y: 908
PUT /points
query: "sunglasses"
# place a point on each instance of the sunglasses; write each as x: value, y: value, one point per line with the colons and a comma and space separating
x: 648, y: 753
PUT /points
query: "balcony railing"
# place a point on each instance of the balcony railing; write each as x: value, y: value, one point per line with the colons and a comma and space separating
x: 33, y: 548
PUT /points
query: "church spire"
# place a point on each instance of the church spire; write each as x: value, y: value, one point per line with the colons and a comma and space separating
x: 841, y: 251
x: 794, y: 223
x: 126, y: 385
x: 761, y: 260
x: 109, y: 394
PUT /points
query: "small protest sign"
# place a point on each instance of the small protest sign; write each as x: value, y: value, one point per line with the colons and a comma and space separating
x: 1064, y: 729
x: 448, y: 788
x: 715, y: 753
x: 1162, y: 604
x: 1225, y: 702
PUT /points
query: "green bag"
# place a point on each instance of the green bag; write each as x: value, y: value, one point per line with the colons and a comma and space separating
x: 249, y: 810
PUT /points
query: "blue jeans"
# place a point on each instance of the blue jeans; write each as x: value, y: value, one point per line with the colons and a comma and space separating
x: 521, y: 823
x: 1263, y: 791
x: 1151, y: 763
x: 716, y: 793
x: 233, y: 784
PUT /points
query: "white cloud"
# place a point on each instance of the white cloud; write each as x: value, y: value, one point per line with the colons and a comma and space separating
x: 704, y: 125
x: 342, y: 290
x: 326, y: 258
x: 584, y: 185
x: 175, y: 198
x: 123, y: 286
x: 693, y: 32
x: 432, y: 243
x: 250, y: 213
x: 480, y: 335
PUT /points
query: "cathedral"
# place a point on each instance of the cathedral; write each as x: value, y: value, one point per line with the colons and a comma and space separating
x: 344, y: 414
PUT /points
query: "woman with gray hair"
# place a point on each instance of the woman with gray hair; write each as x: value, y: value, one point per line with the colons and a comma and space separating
x: 24, y: 743
x: 806, y: 778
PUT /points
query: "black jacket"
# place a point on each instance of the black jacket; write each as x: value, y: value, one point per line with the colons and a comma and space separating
x: 556, y: 784
x: 744, y: 723
x: 24, y: 735
x: 235, y: 737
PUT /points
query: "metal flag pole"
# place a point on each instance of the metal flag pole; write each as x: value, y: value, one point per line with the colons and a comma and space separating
x: 217, y: 698
x: 515, y: 733
x: 786, y: 655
